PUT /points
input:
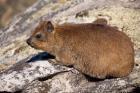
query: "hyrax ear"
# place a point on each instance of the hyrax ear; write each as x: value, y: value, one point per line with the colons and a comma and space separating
x: 49, y: 26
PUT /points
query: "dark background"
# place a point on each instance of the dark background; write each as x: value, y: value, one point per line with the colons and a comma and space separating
x: 9, y: 8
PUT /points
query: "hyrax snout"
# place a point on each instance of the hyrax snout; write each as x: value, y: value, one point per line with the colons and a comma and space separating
x: 95, y: 50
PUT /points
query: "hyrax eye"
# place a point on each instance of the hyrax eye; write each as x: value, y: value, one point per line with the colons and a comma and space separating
x: 38, y: 36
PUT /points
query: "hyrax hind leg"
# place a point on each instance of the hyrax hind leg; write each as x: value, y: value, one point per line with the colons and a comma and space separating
x: 89, y: 72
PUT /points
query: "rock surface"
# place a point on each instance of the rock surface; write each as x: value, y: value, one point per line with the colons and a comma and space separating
x: 25, y: 70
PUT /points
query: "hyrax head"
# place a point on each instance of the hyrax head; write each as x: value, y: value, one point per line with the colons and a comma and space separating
x: 42, y: 36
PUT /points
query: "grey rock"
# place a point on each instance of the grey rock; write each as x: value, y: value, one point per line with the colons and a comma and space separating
x: 24, y: 72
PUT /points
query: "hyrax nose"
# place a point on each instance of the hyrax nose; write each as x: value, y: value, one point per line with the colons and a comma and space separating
x: 28, y: 41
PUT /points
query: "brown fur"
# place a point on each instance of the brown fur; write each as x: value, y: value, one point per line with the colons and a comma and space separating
x: 96, y: 50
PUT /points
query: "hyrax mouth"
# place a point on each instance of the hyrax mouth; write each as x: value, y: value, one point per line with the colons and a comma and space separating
x: 29, y: 42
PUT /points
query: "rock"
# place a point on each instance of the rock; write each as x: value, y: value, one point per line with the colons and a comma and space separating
x: 26, y: 71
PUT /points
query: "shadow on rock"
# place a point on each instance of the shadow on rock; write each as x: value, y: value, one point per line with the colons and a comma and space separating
x: 41, y: 56
x: 94, y: 79
x: 10, y: 92
x: 32, y: 58
x: 136, y: 90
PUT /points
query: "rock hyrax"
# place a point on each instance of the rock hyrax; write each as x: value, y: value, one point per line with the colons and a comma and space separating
x: 94, y: 49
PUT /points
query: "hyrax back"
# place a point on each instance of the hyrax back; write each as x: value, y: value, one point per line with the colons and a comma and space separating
x: 96, y: 50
